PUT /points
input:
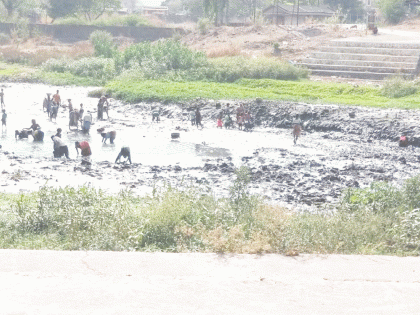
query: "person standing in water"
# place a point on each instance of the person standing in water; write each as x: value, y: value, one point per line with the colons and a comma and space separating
x: 2, y: 99
x: 198, y: 118
x: 297, y: 129
x: 3, y: 118
x: 57, y: 98
x: 102, y: 105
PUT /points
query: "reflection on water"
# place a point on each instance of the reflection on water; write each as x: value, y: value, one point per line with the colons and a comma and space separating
x: 202, y: 150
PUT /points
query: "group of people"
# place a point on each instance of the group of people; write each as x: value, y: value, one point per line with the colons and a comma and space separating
x: 60, y: 148
x: 243, y: 118
x: 34, y: 130
x: 51, y: 105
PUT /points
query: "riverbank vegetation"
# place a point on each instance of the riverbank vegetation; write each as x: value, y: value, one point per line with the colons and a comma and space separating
x: 301, y: 91
x: 170, y: 71
x: 380, y: 219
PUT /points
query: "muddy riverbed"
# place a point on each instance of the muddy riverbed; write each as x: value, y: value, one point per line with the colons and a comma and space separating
x: 340, y: 147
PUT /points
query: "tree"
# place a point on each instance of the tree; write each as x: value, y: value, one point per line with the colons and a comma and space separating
x: 393, y: 10
x: 216, y: 10
x: 93, y: 9
x: 353, y: 7
x: 90, y: 9
x: 61, y: 8
x: 12, y: 5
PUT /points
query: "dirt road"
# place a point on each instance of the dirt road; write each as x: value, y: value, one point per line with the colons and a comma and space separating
x: 52, y: 282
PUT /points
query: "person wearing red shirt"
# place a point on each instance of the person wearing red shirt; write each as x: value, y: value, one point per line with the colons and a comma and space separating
x: 84, y: 147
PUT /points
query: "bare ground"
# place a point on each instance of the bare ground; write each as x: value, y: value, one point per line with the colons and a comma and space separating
x: 295, y: 42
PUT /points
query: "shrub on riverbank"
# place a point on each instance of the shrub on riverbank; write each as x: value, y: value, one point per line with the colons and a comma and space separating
x: 369, y: 221
x: 102, y: 69
x: 397, y: 87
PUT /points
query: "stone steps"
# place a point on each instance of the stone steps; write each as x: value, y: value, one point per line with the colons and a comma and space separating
x: 385, y: 64
x: 354, y: 74
x: 364, y: 60
x: 374, y: 44
x: 363, y: 57
x: 372, y: 51
x: 372, y: 69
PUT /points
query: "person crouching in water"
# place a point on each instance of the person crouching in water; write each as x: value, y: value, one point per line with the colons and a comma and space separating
x: 297, y: 129
x: 125, y: 152
x: 84, y: 148
x: 403, y: 142
x: 60, y: 148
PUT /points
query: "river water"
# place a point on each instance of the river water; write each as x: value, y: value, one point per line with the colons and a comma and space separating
x: 343, y: 152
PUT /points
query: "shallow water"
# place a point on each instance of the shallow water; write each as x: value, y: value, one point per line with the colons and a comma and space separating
x: 313, y: 172
x: 148, y: 145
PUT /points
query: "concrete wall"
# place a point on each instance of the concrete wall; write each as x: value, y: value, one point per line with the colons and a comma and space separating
x: 71, y: 33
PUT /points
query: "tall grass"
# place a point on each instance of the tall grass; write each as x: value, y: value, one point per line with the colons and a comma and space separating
x: 132, y: 90
x: 380, y: 219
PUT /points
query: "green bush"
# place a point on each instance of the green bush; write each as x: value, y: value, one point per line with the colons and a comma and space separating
x: 97, y: 68
x: 170, y: 54
x: 230, y: 69
x: 397, y: 87
x: 103, y: 44
x: 393, y: 10
x: 71, y: 20
x: 203, y: 25
x: 4, y: 39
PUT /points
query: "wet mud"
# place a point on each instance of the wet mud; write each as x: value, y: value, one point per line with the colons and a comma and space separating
x: 340, y: 147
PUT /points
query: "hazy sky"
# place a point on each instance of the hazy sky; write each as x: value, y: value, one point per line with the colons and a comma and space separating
x: 151, y: 3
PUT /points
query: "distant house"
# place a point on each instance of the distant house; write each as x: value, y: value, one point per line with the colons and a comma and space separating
x: 289, y: 14
x: 156, y: 11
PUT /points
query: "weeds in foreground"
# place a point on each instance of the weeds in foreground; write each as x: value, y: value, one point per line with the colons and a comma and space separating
x: 380, y: 219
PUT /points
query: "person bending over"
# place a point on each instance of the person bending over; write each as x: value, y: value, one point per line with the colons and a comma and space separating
x: 84, y: 148
x: 125, y: 152
x: 60, y: 148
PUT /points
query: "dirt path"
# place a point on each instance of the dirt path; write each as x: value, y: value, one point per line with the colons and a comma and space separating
x: 58, y: 283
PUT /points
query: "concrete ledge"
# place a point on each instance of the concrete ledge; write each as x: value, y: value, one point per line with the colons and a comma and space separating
x: 111, y: 283
x: 71, y: 33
